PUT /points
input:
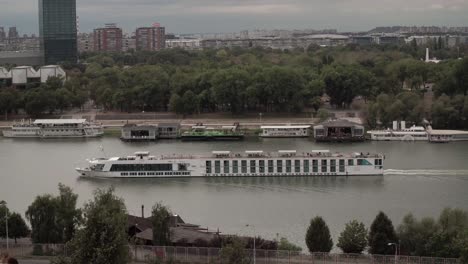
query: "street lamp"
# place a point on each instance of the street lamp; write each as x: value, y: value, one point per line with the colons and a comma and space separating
x: 396, y: 250
x: 254, y: 248
x: 6, y: 223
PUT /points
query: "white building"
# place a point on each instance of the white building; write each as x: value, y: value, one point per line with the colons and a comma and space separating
x: 26, y: 74
x: 187, y: 44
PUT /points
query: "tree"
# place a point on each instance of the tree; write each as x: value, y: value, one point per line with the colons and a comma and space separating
x: 42, y: 215
x: 284, y: 244
x: 190, y: 102
x: 68, y: 216
x: 229, y: 89
x: 323, y: 114
x: 353, y: 239
x: 234, y: 252
x: 344, y: 83
x: 381, y: 234
x: 17, y: 227
x: 54, y: 219
x: 414, y: 235
x: 103, y: 238
x: 318, y: 237
x: 176, y: 104
x: 9, y: 100
x: 160, y: 219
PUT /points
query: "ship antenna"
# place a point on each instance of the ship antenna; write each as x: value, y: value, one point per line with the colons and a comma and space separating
x: 101, y: 148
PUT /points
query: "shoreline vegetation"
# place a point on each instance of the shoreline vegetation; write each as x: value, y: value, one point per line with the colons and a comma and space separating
x: 385, y: 83
x: 55, y: 219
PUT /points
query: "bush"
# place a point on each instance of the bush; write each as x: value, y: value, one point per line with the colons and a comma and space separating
x: 318, y: 237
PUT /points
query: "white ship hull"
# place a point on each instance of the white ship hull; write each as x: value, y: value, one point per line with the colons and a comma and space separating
x: 55, y: 128
x: 234, y: 167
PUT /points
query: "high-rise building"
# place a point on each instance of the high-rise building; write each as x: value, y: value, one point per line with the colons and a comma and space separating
x: 2, y: 33
x: 13, y: 33
x: 57, y: 28
x: 108, y: 38
x: 151, y: 38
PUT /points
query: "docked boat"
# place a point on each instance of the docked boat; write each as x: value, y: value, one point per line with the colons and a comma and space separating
x: 414, y: 133
x: 287, y: 131
x: 227, y: 164
x: 54, y: 128
x: 200, y: 132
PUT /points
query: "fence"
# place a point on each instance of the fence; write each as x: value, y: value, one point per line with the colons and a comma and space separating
x: 196, y: 255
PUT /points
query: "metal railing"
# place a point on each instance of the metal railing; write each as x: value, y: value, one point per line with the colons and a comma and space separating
x: 204, y: 255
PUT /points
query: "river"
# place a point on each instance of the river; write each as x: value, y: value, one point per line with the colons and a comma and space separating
x: 420, y: 177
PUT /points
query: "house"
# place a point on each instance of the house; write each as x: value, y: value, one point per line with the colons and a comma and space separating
x: 339, y: 130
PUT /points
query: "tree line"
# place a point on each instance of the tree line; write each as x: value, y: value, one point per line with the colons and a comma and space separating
x: 259, y: 80
x: 444, y: 237
x: 97, y: 233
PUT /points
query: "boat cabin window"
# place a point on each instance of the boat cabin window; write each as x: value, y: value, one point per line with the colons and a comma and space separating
x: 297, y: 166
x: 271, y: 166
x: 324, y: 165
x: 97, y: 167
x: 288, y: 166
x: 279, y: 166
x: 252, y: 166
x: 363, y: 162
x: 217, y: 166
x: 244, y: 166
x: 306, y: 166
x: 350, y: 162
x: 208, y: 166
x: 226, y: 166
x: 235, y: 166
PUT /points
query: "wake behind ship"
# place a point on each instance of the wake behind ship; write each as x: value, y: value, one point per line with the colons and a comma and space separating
x: 227, y: 164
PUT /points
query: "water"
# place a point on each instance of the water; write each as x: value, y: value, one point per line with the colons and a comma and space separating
x: 420, y: 177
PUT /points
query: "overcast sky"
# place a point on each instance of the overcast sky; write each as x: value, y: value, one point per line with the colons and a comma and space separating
x: 198, y: 16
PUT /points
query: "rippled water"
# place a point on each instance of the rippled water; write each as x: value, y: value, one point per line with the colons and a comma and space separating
x: 420, y: 177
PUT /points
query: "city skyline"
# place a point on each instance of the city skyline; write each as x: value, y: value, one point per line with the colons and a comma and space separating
x: 182, y: 16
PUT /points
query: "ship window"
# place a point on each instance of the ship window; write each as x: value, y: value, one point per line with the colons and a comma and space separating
x: 332, y: 165
x: 363, y: 162
x: 141, y: 167
x: 288, y: 166
x: 306, y: 166
x: 226, y: 166
x: 235, y: 166
x: 217, y: 166
x: 350, y: 162
x: 243, y: 166
x: 252, y: 166
x: 208, y: 166
x: 297, y: 166
x: 271, y: 166
x: 279, y: 166
x: 261, y: 165
x: 315, y: 165
x: 342, y: 165
x: 182, y: 167
x: 324, y: 165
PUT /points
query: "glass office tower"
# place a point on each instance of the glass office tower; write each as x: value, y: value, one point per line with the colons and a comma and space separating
x: 57, y: 28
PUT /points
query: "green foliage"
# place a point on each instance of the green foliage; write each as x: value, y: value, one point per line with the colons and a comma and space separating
x: 54, y: 219
x: 103, y: 238
x: 234, y: 252
x: 344, y: 82
x: 160, y: 219
x: 353, y: 239
x: 284, y: 244
x: 381, y: 234
x: 17, y: 227
x: 323, y: 114
x: 318, y: 237
x: 414, y: 235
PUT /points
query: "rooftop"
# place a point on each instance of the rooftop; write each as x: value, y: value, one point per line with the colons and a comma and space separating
x: 59, y: 121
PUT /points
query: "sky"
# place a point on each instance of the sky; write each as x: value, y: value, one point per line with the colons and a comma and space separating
x: 210, y: 16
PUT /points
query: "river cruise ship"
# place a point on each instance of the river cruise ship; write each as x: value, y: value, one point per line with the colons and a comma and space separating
x: 54, y: 128
x: 227, y: 164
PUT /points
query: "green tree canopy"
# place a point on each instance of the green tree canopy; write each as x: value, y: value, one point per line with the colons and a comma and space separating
x: 17, y: 227
x: 353, y: 239
x: 381, y: 234
x: 160, y: 219
x: 103, y: 238
x: 54, y: 219
x: 318, y: 237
